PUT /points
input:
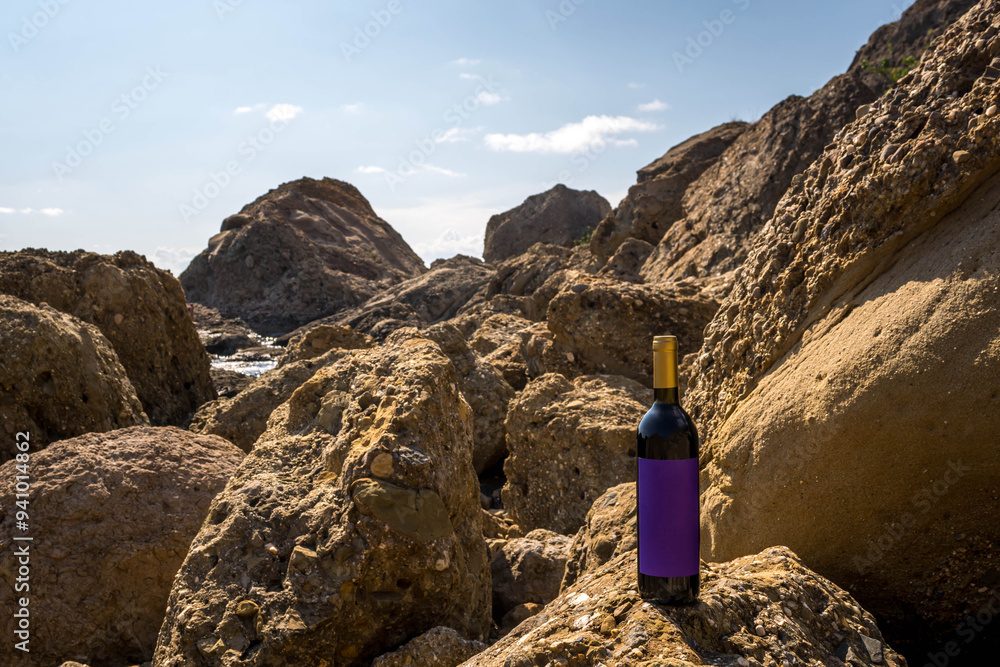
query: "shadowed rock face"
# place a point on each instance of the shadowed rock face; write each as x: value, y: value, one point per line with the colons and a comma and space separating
x: 139, y: 309
x: 848, y: 385
x: 304, y: 250
x: 656, y: 201
x: 352, y: 526
x: 765, y: 608
x: 558, y: 216
x: 117, y: 512
x: 59, y: 377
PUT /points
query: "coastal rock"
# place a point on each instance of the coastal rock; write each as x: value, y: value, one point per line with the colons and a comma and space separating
x: 427, y: 299
x: 352, y: 526
x: 112, y: 516
x: 627, y: 262
x: 569, y: 441
x: 861, y: 340
x: 560, y: 216
x: 305, y: 250
x: 766, y: 609
x: 487, y: 393
x: 242, y: 418
x: 438, y: 647
x: 59, y: 376
x: 655, y: 202
x: 528, y: 569
x: 608, y: 532
x: 321, y: 339
x: 139, y: 308
x: 229, y: 383
x: 525, y: 273
x: 609, y: 325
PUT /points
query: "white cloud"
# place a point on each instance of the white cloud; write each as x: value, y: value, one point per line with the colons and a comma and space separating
x: 353, y: 109
x: 456, y: 134
x: 655, y: 105
x: 469, y: 77
x: 174, y: 260
x: 243, y: 110
x: 52, y: 212
x: 4, y: 209
x: 635, y: 84
x: 572, y: 137
x: 449, y: 244
x: 466, y: 62
x: 370, y: 170
x: 282, y: 112
x: 486, y: 98
x: 441, y: 170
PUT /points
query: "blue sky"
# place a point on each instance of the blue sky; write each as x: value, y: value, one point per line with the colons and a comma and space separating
x: 128, y: 125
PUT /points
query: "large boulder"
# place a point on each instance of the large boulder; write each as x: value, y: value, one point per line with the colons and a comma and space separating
x: 609, y: 531
x: 351, y: 527
x: 59, y: 377
x: 528, y: 569
x: 139, y: 308
x: 484, y: 387
x: 766, y: 609
x: 306, y: 249
x: 569, y: 441
x: 848, y: 385
x: 655, y: 202
x: 609, y: 325
x: 111, y: 516
x: 432, y: 297
x: 560, y: 216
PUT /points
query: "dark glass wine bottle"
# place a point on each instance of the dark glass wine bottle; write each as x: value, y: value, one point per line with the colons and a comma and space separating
x: 667, y: 489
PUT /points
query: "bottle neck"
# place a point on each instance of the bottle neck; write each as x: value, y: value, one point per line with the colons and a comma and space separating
x: 665, y: 375
x: 665, y: 395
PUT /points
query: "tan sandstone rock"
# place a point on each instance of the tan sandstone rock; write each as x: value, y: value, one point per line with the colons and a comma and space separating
x: 309, y: 554
x: 59, y: 377
x: 112, y: 516
x: 609, y: 531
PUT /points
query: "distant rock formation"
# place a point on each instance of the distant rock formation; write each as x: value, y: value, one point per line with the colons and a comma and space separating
x: 560, y: 216
x: 306, y: 249
x: 59, y: 377
x: 139, y: 309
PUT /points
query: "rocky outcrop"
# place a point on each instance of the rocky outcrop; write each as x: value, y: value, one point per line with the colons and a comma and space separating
x: 569, y: 442
x: 731, y: 201
x: 656, y: 201
x: 112, y: 516
x: 766, y: 609
x: 59, y: 377
x: 528, y: 569
x: 438, y: 647
x: 608, y: 325
x: 353, y: 525
x: 305, y: 250
x: 223, y: 336
x: 896, y: 47
x: 430, y: 298
x: 242, y: 418
x: 560, y: 216
x: 608, y: 532
x: 140, y: 310
x: 861, y: 340
x: 487, y: 393
x: 627, y: 262
x: 322, y: 338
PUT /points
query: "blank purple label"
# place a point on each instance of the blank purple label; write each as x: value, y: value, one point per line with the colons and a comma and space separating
x: 668, y: 517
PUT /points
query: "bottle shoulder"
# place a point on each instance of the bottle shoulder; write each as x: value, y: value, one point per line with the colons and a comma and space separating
x: 664, y: 419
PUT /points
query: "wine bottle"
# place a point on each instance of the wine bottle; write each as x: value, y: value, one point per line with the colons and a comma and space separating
x: 667, y: 489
